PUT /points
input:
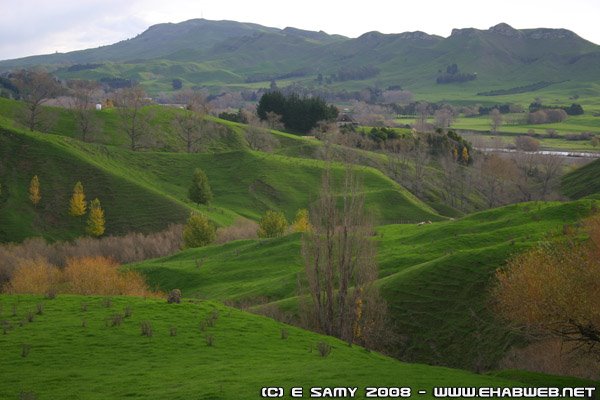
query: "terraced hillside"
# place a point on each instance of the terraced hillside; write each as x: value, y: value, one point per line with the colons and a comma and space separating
x: 75, y: 351
x: 434, y: 277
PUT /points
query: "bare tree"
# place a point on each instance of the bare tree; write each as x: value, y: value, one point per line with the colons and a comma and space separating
x: 194, y: 100
x: 134, y: 121
x: 495, y: 119
x: 550, y: 168
x: 340, y: 266
x: 260, y: 139
x: 423, y: 112
x: 35, y: 88
x: 85, y: 94
x: 419, y: 155
x: 189, y: 128
x: 443, y: 118
x: 494, y: 174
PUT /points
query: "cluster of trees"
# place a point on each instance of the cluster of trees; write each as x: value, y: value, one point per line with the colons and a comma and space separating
x: 453, y: 75
x: 78, y: 207
x: 297, y: 114
x: 547, y: 116
x: 573, y: 109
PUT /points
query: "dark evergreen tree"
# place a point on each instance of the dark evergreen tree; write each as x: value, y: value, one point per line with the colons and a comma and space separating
x: 200, y: 191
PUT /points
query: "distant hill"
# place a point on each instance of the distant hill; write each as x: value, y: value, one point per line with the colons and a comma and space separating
x: 212, y: 53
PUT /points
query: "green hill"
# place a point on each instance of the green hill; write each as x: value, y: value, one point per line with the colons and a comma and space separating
x: 146, y: 191
x: 77, y: 354
x: 217, y: 53
x: 434, y: 277
x: 584, y: 181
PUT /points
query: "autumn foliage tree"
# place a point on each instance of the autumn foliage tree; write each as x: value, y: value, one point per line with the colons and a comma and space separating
x: 552, y: 290
x: 301, y: 221
x: 77, y: 204
x: 95, y: 223
x: 34, y: 191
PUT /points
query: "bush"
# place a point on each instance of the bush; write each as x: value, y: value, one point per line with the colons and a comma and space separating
x: 272, y: 224
x: 199, y: 231
x: 527, y: 143
x: 172, y: 331
x: 25, y: 349
x: 324, y: 349
x: 85, y: 276
x: 146, y: 328
x: 174, y: 296
x: 241, y: 229
x: 210, y: 340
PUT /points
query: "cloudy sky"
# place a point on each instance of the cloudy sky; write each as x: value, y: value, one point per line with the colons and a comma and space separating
x: 31, y: 27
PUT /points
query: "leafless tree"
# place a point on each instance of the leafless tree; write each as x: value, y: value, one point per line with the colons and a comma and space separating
x: 550, y: 168
x: 526, y: 177
x: 189, y: 128
x: 419, y: 155
x: 340, y: 267
x: 423, y: 112
x: 260, y: 139
x: 35, y: 88
x: 194, y: 100
x: 135, y: 121
x: 494, y: 175
x: 443, y: 118
x: 85, y: 94
x: 495, y: 119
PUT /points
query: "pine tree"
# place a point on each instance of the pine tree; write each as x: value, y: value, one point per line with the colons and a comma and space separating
x: 200, y: 191
x: 77, y: 205
x: 95, y: 223
x: 198, y: 231
x: 34, y: 191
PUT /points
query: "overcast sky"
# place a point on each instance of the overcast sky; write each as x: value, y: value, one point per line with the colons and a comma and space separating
x: 30, y: 27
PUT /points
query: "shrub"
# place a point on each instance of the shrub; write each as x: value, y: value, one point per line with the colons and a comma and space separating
x: 146, y: 328
x: 324, y: 349
x: 241, y: 229
x: 272, y: 224
x: 199, y: 231
x: 30, y: 316
x: 127, y: 312
x: 5, y: 326
x: 34, y: 277
x: 301, y: 222
x: 116, y: 320
x: 174, y: 296
x: 210, y: 340
x: 25, y: 349
x: 527, y: 143
x: 172, y: 331
x: 40, y: 308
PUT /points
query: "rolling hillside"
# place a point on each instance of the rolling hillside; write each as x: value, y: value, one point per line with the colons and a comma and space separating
x: 434, y: 277
x: 146, y: 191
x: 247, y: 353
x: 215, y: 53
x: 584, y: 181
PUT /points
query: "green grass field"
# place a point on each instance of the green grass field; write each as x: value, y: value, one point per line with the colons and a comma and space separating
x: 433, y: 276
x: 77, y: 354
x: 582, y: 182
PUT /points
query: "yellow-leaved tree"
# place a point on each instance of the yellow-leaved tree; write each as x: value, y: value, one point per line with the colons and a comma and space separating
x: 77, y: 205
x: 301, y: 222
x: 95, y: 223
x: 34, y: 191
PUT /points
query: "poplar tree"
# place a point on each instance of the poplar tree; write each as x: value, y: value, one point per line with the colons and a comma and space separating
x: 77, y: 205
x: 34, y: 190
x: 95, y: 223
